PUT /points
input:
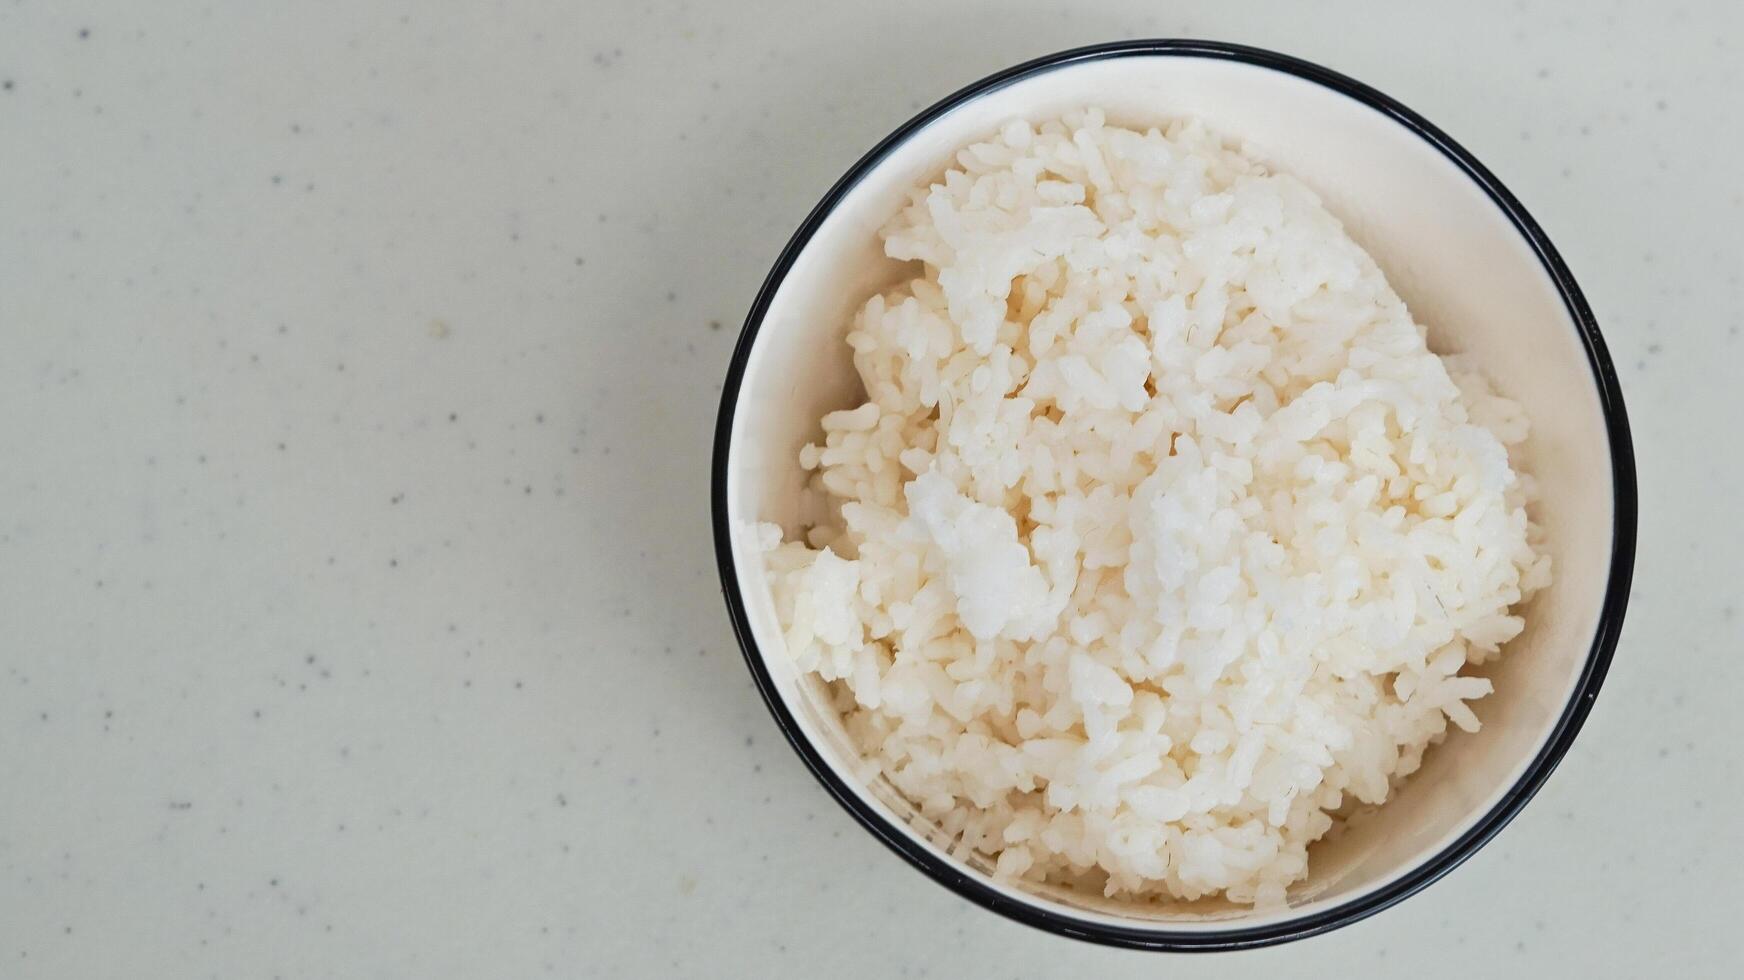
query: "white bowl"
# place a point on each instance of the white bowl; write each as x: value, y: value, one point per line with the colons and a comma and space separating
x: 1470, y: 263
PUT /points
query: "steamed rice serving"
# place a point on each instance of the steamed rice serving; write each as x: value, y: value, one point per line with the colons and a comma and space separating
x: 1161, y: 539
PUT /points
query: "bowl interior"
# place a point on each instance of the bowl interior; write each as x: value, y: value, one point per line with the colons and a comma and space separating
x: 1462, y: 267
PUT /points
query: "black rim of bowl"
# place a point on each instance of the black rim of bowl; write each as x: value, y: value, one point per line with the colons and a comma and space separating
x: 970, y: 885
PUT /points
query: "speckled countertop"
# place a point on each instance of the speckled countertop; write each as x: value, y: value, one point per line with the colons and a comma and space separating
x: 358, y: 365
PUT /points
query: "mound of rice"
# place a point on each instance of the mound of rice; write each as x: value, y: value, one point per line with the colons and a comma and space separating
x: 1163, y: 537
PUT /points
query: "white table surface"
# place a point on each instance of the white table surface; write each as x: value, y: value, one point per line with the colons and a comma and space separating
x: 358, y: 366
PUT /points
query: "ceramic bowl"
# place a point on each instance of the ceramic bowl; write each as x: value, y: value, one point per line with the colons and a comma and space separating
x: 1471, y: 264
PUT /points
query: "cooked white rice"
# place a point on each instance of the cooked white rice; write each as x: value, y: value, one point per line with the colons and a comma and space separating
x: 1163, y: 537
